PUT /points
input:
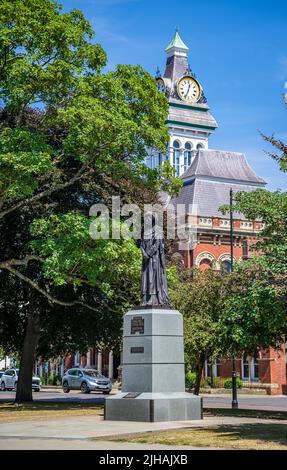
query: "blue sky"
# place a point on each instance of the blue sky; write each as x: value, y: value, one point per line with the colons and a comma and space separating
x: 238, y: 50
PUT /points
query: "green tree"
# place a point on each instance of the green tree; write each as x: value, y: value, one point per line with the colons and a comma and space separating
x: 197, y: 295
x: 228, y: 314
x: 254, y: 313
x: 70, y: 136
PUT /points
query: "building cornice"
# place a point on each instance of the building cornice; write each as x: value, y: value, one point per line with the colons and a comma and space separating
x: 217, y: 179
x: 194, y: 126
x: 188, y: 106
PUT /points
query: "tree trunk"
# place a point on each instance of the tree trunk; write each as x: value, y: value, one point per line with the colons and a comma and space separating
x: 24, y: 386
x: 198, y: 370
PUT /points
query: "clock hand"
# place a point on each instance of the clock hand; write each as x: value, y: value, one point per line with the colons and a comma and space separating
x: 187, y: 91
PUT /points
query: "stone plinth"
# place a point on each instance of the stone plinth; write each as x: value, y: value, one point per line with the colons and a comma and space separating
x: 153, y: 382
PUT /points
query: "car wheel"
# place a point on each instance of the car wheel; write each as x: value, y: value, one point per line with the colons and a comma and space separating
x: 85, y: 388
x: 106, y: 393
x: 37, y: 390
x: 66, y: 387
x: 3, y: 388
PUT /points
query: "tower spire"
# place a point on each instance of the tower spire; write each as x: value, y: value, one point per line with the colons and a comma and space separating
x: 176, y: 43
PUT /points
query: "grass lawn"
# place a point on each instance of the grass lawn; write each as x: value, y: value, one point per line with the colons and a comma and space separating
x: 259, y: 414
x: 244, y: 436
x: 38, y: 410
x: 256, y: 436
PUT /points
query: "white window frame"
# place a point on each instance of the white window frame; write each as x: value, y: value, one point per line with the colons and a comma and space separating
x: 251, y: 369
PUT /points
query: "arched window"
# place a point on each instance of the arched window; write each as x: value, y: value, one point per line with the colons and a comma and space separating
x: 200, y: 146
x: 205, y: 264
x: 187, y: 155
x: 176, y: 156
x: 227, y: 265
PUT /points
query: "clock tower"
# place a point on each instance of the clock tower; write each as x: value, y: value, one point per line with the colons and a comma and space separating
x: 189, y: 120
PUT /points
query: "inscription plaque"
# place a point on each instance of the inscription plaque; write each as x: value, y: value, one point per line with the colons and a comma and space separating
x: 137, y: 325
x: 137, y: 349
x: 132, y: 395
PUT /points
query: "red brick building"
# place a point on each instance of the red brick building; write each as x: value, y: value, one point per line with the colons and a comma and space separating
x: 101, y: 359
x: 206, y: 187
x: 208, y: 175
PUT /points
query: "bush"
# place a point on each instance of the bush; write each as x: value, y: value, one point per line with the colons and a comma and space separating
x: 44, y: 379
x: 57, y: 380
x: 205, y: 382
x: 190, y: 380
x: 52, y: 380
x: 218, y: 382
x: 228, y: 383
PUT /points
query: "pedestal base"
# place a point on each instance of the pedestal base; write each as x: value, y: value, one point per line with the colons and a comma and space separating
x: 153, y: 407
x: 153, y: 387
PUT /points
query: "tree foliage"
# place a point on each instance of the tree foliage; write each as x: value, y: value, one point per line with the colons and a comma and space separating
x: 228, y: 314
x: 254, y: 314
x: 70, y: 136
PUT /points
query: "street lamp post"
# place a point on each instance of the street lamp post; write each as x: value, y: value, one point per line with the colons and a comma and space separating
x: 234, y: 374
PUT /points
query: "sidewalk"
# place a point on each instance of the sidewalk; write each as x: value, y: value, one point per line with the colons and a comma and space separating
x: 77, y: 432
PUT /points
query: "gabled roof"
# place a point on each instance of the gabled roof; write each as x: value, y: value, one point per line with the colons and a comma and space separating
x: 176, y: 42
x: 223, y: 165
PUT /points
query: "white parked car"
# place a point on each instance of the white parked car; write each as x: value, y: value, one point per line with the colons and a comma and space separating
x: 9, y: 380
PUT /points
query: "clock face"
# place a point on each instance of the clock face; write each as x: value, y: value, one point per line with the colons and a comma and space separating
x: 189, y: 89
x: 160, y: 84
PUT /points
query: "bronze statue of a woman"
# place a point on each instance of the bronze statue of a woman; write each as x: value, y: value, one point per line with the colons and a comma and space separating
x: 154, y: 283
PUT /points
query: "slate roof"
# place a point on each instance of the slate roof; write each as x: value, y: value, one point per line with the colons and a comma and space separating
x: 208, y: 196
x: 199, y: 116
x: 222, y: 164
x: 204, y: 185
x: 175, y: 68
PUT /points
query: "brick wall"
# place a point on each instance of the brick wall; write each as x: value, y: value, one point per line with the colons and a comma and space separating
x: 272, y: 370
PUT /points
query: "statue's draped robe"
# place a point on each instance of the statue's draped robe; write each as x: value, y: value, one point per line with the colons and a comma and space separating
x: 154, y: 284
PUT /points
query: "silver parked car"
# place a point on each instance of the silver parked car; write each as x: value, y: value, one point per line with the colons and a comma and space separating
x: 86, y: 380
x: 9, y: 380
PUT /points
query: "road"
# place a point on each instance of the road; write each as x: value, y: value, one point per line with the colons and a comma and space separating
x: 252, y: 402
x: 255, y: 402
